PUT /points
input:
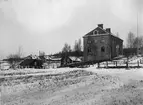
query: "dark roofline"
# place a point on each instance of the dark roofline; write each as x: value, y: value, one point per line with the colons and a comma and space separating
x: 95, y: 29
x: 103, y: 35
x: 90, y: 31
x: 116, y: 37
x: 86, y: 35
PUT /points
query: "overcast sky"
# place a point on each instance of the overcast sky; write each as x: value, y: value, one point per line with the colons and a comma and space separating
x: 46, y: 25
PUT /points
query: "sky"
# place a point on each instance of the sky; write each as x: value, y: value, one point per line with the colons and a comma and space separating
x: 45, y: 25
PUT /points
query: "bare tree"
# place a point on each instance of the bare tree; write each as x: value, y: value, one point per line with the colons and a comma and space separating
x: 41, y: 53
x: 66, y: 48
x: 138, y: 42
x: 20, y: 51
x: 13, y: 59
x: 42, y: 56
x: 77, y: 45
x: 130, y: 40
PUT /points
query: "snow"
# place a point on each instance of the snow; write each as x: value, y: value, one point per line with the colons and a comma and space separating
x: 4, y: 66
x: 73, y: 86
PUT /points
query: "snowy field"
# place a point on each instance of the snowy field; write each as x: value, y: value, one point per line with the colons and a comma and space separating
x: 88, y: 86
x: 72, y: 86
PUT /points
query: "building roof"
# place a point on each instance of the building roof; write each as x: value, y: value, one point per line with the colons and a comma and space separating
x: 73, y: 58
x: 32, y: 57
x: 100, y: 31
x: 29, y: 62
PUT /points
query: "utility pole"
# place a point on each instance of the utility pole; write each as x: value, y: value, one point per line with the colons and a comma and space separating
x: 137, y: 36
x: 0, y: 65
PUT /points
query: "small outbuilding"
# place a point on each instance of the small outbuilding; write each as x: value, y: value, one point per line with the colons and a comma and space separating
x: 31, y: 62
x: 69, y: 60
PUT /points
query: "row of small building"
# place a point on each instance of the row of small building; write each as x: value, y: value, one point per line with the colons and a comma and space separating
x: 44, y: 62
x: 47, y: 61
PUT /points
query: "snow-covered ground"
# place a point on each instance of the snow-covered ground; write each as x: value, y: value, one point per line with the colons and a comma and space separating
x: 90, y: 86
x: 72, y: 86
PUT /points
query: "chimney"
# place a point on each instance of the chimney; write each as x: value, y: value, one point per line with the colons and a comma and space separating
x: 108, y: 30
x: 100, y: 25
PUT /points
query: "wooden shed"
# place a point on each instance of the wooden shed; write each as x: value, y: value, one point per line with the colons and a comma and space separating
x: 31, y: 62
x: 69, y: 59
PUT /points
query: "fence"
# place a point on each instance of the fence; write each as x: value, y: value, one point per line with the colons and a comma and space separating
x: 132, y: 63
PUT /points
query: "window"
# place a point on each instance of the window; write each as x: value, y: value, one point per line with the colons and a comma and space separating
x: 95, y: 32
x: 89, y: 50
x: 102, y: 49
x: 117, y: 49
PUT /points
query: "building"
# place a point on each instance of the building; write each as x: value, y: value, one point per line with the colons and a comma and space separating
x: 132, y: 51
x: 31, y: 61
x: 101, y: 44
x: 66, y: 60
x: 52, y: 62
x: 129, y: 51
x: 141, y: 51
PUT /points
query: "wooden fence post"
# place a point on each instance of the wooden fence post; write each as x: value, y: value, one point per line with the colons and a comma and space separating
x: 116, y: 63
x: 107, y: 64
x: 98, y: 65
x: 138, y: 63
x: 127, y: 64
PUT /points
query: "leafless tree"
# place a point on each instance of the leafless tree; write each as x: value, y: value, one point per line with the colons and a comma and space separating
x: 42, y: 56
x: 66, y: 48
x: 77, y: 45
x: 19, y: 52
x: 41, y: 53
x: 130, y: 40
x: 13, y: 59
x: 138, y: 42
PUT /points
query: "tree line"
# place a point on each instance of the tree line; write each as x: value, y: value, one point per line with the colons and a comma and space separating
x: 67, y: 50
x: 134, y: 41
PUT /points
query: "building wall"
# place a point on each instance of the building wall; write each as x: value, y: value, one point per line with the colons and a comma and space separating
x: 141, y: 50
x: 117, y: 46
x: 102, y: 47
x: 52, y: 64
x: 97, y: 48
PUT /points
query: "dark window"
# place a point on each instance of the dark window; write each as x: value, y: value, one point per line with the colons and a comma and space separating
x: 95, y: 32
x: 102, y: 49
x: 89, y: 50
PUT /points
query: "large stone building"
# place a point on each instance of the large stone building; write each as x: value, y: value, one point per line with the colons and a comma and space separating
x: 101, y: 44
